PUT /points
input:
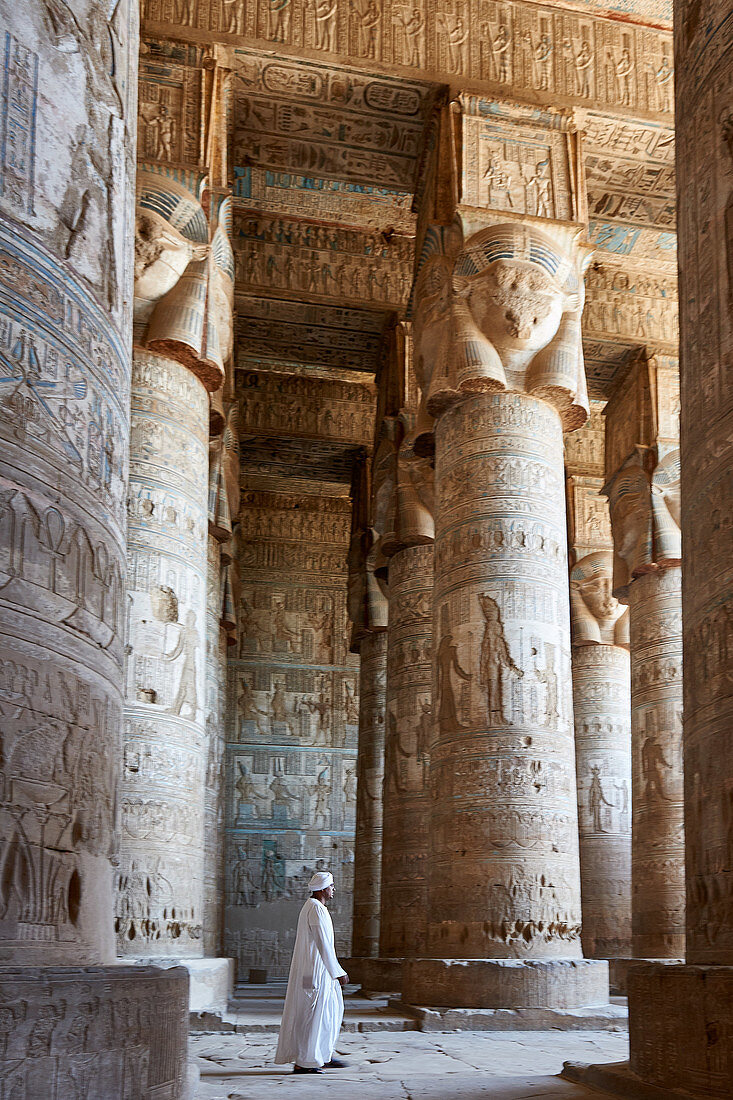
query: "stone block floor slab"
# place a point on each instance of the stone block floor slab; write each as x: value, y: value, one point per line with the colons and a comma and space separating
x: 520, y: 1065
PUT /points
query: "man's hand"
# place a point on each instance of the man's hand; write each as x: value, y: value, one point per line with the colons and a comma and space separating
x: 343, y: 980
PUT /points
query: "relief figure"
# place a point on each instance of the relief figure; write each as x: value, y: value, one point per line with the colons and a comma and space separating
x: 447, y: 661
x: 495, y: 660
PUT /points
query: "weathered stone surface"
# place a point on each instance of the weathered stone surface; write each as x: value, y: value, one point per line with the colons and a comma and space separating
x: 292, y: 717
x: 505, y: 983
x: 504, y: 871
x: 642, y: 466
x: 408, y: 738
x: 160, y: 892
x: 370, y: 777
x: 680, y: 1026
x: 65, y: 286
x: 101, y: 1032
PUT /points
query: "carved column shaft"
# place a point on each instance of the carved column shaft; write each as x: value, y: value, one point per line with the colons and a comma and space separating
x: 370, y: 777
x: 658, y: 870
x: 161, y: 878
x: 679, y: 1016
x: 601, y: 689
x: 216, y: 678
x: 405, y: 846
x: 642, y: 466
x: 504, y: 869
x: 599, y: 627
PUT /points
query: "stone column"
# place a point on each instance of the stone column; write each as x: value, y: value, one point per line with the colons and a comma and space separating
x: 177, y: 360
x: 601, y: 706
x: 161, y: 876
x: 680, y: 1016
x: 497, y: 333
x: 405, y: 845
x: 643, y: 490
x: 369, y: 780
x: 601, y: 694
x: 409, y: 734
x: 66, y: 215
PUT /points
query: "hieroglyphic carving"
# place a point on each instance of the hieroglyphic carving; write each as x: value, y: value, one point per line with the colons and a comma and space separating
x: 516, y: 160
x: 90, y: 1031
x: 643, y: 470
x: 408, y: 740
x: 629, y: 170
x: 321, y: 261
x: 215, y: 710
x: 291, y: 718
x: 291, y: 405
x: 300, y: 195
x: 170, y: 104
x: 502, y: 666
x: 555, y: 55
x: 320, y: 335
x: 333, y: 123
x: 64, y: 376
x: 369, y: 809
x: 706, y: 289
x: 632, y: 305
x: 601, y: 706
x: 160, y: 881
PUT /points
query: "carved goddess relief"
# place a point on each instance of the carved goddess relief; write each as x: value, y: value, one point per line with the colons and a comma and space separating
x: 501, y: 311
x: 496, y: 660
x: 596, y: 615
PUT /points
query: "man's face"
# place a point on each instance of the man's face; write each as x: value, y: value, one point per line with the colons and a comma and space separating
x: 328, y: 892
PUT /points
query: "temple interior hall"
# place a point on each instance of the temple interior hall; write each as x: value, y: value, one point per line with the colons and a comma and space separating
x: 366, y: 507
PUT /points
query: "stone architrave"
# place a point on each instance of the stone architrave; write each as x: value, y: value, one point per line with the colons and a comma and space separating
x: 642, y: 467
x: 680, y: 1016
x: 66, y: 204
x: 497, y: 334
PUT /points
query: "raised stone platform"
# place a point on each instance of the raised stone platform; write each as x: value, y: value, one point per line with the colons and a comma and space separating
x: 98, y: 1031
x: 610, y: 1017
x: 681, y: 1027
x: 505, y: 983
x: 617, y: 1079
x: 375, y: 974
x: 618, y: 972
x: 211, y: 981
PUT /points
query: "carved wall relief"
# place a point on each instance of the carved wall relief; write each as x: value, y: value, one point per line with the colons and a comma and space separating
x: 292, y: 719
x: 552, y: 55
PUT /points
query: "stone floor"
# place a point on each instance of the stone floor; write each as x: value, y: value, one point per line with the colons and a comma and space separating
x: 408, y: 1065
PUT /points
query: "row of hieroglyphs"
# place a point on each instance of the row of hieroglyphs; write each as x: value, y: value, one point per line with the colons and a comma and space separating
x: 331, y: 262
x: 534, y: 48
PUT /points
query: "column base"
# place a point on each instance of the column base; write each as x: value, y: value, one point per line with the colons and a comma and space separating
x: 505, y: 983
x: 101, y: 1031
x: 375, y: 975
x: 680, y: 1030
x: 211, y: 981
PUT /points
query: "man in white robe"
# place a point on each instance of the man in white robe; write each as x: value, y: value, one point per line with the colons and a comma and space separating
x: 314, y: 1003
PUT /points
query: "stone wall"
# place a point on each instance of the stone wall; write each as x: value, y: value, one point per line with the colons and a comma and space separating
x: 292, y: 726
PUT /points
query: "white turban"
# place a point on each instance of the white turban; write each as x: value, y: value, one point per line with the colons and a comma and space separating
x: 320, y: 881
